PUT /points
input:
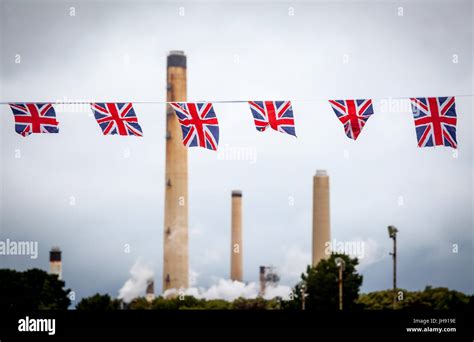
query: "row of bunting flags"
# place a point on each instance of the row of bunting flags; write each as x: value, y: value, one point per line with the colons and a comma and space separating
x: 434, y: 117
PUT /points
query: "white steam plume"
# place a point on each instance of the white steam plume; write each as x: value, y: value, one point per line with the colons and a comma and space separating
x: 136, y: 285
x: 230, y: 290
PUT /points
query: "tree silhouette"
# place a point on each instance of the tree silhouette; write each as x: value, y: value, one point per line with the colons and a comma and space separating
x: 33, y: 289
x: 98, y: 302
x: 321, y: 282
x: 437, y: 298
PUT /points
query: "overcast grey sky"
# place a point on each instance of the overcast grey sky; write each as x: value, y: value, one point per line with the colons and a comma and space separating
x: 116, y: 51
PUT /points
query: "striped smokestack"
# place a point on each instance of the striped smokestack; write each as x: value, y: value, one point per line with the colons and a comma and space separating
x: 321, y: 227
x: 175, y: 241
x: 55, y: 263
x: 236, y: 267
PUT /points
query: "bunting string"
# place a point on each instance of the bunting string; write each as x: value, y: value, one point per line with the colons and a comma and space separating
x: 435, y: 118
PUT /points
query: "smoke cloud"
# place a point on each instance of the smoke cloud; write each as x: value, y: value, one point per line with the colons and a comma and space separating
x: 136, y: 285
x: 230, y: 290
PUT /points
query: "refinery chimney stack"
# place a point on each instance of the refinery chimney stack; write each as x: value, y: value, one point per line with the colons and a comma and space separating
x: 321, y: 224
x: 175, y: 240
x: 236, y: 267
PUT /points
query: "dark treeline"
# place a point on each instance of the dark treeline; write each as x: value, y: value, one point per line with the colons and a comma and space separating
x: 35, y: 289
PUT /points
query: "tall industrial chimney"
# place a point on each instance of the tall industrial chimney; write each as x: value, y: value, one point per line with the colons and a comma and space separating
x: 321, y: 226
x: 175, y: 245
x: 236, y: 267
x: 55, y: 264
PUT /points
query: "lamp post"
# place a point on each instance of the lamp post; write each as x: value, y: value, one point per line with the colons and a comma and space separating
x: 303, y: 296
x: 392, y: 233
x: 341, y: 264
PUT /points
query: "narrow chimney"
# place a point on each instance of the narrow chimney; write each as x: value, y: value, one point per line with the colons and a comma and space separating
x: 321, y: 226
x: 236, y: 267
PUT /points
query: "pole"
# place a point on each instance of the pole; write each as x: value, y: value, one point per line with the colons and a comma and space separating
x: 340, y: 287
x: 303, y: 297
x: 392, y: 233
x: 394, y: 272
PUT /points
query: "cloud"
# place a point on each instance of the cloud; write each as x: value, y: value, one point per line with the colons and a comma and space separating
x: 368, y: 251
x: 136, y: 285
x: 373, y: 253
x: 294, y: 264
x: 193, y: 277
x: 209, y: 257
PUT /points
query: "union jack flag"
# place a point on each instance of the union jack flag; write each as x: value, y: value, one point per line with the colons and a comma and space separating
x: 435, y: 121
x: 34, y: 118
x: 353, y: 114
x: 276, y: 114
x: 117, y: 118
x: 198, y: 123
